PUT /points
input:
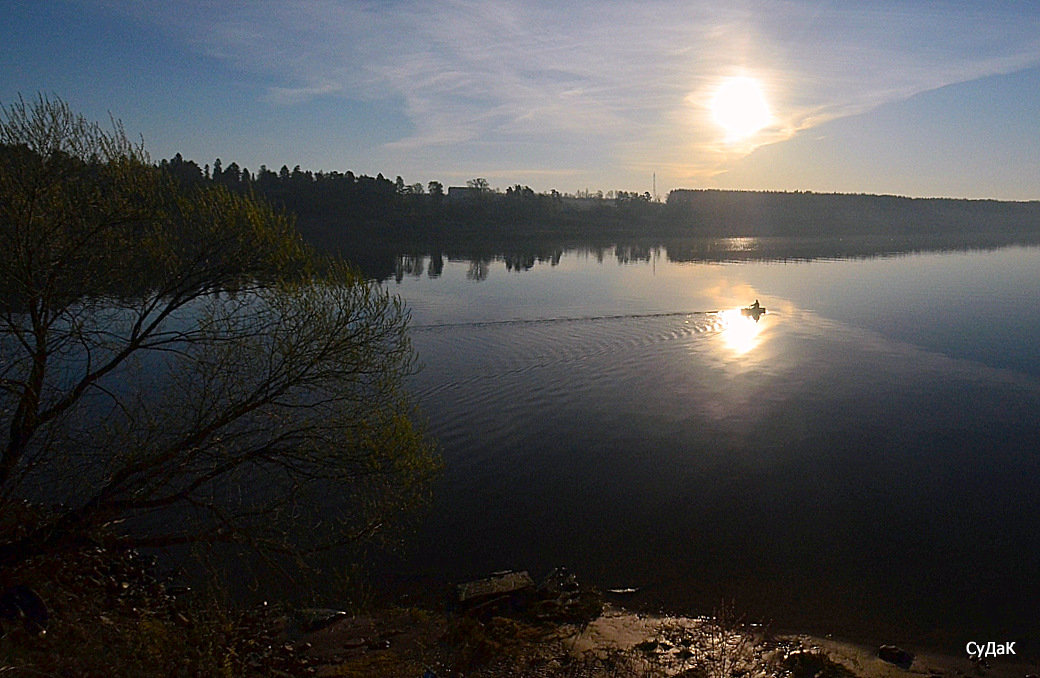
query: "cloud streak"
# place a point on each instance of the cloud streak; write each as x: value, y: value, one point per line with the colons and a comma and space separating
x: 618, y: 83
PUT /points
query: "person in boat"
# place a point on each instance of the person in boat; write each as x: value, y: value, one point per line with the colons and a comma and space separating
x: 756, y: 305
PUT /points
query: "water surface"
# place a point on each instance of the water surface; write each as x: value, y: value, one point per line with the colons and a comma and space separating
x: 862, y: 460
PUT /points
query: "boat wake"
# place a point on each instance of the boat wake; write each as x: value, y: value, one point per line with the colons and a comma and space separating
x: 563, y: 319
x: 535, y: 357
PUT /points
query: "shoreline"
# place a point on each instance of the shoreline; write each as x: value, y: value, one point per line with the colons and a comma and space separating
x: 629, y: 643
x: 106, y: 607
x: 859, y: 657
x: 871, y: 627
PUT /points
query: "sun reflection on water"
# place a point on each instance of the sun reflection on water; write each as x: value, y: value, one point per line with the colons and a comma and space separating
x: 740, y: 332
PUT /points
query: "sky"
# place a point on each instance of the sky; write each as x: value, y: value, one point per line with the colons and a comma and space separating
x: 903, y: 97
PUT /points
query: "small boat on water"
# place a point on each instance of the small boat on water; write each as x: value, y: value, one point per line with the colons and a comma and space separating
x: 755, y: 310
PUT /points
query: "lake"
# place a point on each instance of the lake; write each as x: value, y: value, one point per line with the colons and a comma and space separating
x: 862, y: 460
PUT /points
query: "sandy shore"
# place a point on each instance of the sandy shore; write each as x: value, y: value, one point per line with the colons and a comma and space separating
x: 619, y: 643
x: 625, y: 630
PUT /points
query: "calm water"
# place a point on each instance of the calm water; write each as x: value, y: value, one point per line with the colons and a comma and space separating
x: 864, y: 460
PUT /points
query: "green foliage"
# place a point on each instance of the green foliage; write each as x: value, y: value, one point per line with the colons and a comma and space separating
x: 84, y: 215
x: 177, y: 366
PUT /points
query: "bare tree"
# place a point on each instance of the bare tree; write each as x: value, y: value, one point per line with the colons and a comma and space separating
x: 480, y: 183
x: 177, y: 366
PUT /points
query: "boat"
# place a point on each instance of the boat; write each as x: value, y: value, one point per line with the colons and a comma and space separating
x: 755, y: 310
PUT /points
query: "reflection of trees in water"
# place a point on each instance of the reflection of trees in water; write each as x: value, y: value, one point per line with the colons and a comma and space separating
x: 626, y: 254
x: 412, y: 265
x: 436, y: 265
x: 519, y: 262
x: 835, y: 247
x: 478, y: 269
x: 382, y: 261
x: 415, y: 264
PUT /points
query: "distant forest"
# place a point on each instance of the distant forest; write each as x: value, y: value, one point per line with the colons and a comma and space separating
x: 382, y: 225
x: 342, y: 204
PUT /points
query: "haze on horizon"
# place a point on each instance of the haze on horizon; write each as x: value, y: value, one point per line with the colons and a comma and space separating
x: 899, y: 97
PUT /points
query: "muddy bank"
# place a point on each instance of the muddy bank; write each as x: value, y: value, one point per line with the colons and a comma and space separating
x: 618, y: 643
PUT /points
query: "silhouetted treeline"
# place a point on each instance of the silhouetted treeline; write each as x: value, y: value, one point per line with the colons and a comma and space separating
x: 343, y: 202
x: 334, y: 195
x: 373, y: 220
x: 763, y: 213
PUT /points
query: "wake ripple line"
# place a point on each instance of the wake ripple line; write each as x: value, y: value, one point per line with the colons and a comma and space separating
x: 546, y: 321
x: 517, y: 365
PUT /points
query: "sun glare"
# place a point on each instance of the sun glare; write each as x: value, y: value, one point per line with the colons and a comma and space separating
x: 741, y: 334
x: 739, y: 107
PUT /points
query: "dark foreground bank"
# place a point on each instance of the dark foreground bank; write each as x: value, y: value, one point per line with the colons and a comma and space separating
x: 102, y: 613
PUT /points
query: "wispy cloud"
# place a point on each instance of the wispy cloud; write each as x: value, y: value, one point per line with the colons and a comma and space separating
x: 623, y: 83
x: 296, y: 95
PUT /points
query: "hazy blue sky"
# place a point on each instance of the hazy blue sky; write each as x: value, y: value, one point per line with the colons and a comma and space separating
x: 909, y: 97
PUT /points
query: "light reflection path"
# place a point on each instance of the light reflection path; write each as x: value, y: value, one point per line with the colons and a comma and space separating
x: 742, y: 333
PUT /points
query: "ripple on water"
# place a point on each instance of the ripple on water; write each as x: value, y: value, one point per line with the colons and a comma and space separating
x: 491, y: 379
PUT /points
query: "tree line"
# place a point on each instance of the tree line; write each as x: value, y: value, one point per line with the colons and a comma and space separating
x: 781, y: 213
x: 350, y: 202
x: 344, y: 206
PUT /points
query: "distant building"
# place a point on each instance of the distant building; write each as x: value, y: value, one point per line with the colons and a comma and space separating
x: 463, y: 193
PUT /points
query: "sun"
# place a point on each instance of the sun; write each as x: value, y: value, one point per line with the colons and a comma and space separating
x: 739, y: 107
